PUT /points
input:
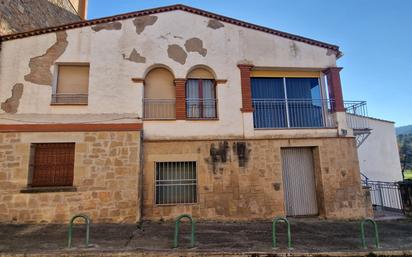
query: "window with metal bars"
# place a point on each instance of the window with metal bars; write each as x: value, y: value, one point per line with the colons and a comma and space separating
x: 176, y: 182
x: 51, y: 164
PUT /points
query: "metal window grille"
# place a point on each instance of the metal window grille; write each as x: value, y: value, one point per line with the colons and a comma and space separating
x: 52, y: 164
x: 176, y: 182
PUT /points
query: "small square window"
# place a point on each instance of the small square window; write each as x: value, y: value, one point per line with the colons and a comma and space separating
x: 176, y: 182
x: 51, y: 164
x: 72, y: 85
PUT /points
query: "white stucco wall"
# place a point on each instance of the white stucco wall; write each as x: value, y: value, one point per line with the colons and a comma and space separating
x: 378, y: 155
x: 111, y: 90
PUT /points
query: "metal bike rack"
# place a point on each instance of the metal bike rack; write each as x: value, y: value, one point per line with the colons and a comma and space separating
x: 375, y: 226
x: 275, y: 221
x: 87, y: 221
x: 177, y: 226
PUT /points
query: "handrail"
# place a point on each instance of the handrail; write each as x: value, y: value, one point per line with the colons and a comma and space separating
x: 177, y: 226
x: 87, y: 220
x: 375, y: 226
x: 274, y: 222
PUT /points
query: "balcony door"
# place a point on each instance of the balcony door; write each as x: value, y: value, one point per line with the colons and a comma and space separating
x: 287, y: 103
x: 159, y: 95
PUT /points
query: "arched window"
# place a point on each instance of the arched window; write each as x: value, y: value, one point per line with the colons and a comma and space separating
x: 159, y: 95
x: 200, y: 95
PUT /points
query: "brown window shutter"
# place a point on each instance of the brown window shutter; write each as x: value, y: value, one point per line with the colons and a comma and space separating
x: 53, y: 164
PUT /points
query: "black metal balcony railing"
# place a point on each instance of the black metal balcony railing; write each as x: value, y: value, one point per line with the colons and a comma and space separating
x: 159, y: 109
x: 292, y: 113
x: 202, y: 109
x: 69, y: 98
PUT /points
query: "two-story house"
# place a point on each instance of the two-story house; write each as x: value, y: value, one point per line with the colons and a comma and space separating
x: 155, y: 113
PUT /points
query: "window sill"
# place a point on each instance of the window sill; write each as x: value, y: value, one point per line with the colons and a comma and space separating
x: 76, y: 104
x: 203, y: 119
x: 29, y: 190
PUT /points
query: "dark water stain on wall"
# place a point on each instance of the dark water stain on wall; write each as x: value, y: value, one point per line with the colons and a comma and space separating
x: 195, y: 45
x: 294, y: 50
x: 177, y: 53
x: 215, y: 24
x: 135, y: 57
x: 12, y: 104
x: 108, y: 26
x: 142, y: 22
x: 40, y: 65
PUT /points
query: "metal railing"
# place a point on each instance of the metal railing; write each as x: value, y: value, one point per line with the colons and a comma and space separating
x: 201, y: 108
x: 384, y: 195
x: 357, y: 113
x: 292, y: 113
x: 159, y: 109
x: 69, y: 98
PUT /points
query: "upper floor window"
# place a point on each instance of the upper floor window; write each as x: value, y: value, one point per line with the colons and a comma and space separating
x: 288, y: 102
x: 72, y: 85
x: 159, y: 95
x: 201, y: 95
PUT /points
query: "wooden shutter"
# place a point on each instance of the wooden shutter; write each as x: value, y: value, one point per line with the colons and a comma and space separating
x: 53, y: 164
x: 73, y: 79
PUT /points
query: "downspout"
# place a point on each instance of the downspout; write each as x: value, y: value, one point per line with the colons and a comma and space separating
x: 140, y: 183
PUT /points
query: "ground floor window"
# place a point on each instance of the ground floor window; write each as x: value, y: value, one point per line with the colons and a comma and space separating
x: 176, y: 182
x: 51, y: 164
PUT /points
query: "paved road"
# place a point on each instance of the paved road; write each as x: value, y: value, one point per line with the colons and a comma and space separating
x: 308, y: 235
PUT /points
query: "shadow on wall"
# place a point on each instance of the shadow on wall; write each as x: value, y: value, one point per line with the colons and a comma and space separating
x: 25, y: 15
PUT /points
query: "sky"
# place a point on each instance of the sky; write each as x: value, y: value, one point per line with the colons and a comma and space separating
x: 375, y: 37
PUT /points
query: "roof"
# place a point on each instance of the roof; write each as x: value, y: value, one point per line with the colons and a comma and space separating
x: 168, y: 9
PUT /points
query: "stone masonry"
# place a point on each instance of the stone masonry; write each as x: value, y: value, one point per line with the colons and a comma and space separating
x: 106, y: 174
x: 250, y: 187
x: 24, y: 15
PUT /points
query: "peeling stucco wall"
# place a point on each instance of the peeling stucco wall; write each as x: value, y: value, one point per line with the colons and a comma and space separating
x: 195, y: 45
x: 135, y: 57
x: 40, y: 66
x: 177, y: 53
x: 142, y: 22
x: 215, y: 24
x: 176, y: 40
x: 116, y: 25
x: 12, y: 104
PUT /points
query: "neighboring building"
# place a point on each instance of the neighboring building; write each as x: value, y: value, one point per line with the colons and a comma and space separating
x: 378, y: 154
x: 24, y: 15
x: 174, y: 110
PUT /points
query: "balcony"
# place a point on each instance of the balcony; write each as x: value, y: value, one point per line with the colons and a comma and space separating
x: 201, y: 109
x: 292, y: 113
x: 69, y: 99
x: 159, y: 109
x: 357, y: 114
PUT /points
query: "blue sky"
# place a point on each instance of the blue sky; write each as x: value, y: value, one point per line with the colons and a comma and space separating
x: 375, y: 37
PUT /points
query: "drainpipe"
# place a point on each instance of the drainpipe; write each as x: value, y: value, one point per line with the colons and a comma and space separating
x: 140, y: 182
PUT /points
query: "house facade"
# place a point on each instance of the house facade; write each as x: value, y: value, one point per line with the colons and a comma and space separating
x: 152, y: 114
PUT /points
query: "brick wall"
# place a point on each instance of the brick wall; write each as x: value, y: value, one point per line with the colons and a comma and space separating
x: 255, y: 191
x: 105, y: 175
x: 21, y: 15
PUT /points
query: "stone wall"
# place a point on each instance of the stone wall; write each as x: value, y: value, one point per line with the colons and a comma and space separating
x: 106, y: 176
x: 251, y: 188
x: 22, y: 15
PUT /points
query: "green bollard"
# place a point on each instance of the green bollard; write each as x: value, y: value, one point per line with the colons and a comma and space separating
x: 375, y: 226
x: 87, y: 221
x: 275, y: 221
x: 177, y: 226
